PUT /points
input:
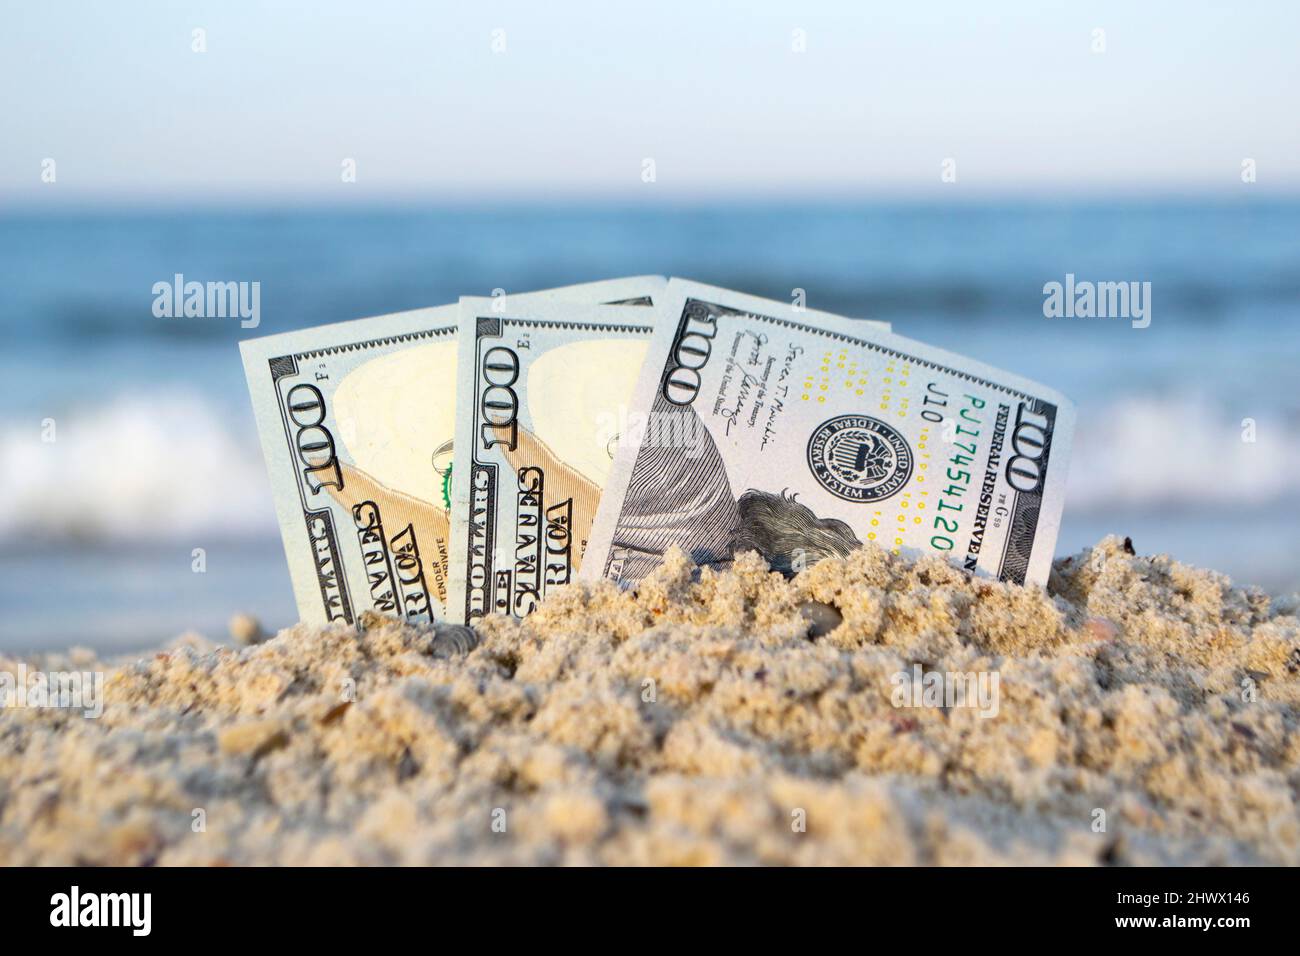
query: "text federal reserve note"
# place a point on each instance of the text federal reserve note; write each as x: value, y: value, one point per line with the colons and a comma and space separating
x: 357, y: 421
x: 543, y: 394
x: 819, y: 435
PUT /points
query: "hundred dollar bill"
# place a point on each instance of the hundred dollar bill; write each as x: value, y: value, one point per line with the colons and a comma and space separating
x: 823, y: 434
x: 544, y: 394
x: 357, y: 421
x: 540, y: 391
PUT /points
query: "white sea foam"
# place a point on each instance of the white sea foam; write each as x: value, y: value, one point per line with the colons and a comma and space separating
x: 144, y: 467
x: 171, y: 466
x: 1162, y: 452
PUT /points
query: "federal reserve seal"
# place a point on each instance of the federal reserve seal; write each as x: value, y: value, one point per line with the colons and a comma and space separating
x: 858, y: 458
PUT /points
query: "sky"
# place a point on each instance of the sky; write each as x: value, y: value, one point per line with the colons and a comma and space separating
x: 496, y: 100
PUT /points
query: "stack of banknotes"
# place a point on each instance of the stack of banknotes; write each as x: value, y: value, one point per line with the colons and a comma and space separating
x: 471, y: 459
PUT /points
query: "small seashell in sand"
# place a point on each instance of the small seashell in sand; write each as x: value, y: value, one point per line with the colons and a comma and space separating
x: 452, y: 640
x: 821, y: 618
x: 246, y: 629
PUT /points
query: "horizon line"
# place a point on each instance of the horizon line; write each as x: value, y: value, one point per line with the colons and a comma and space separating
x: 28, y: 203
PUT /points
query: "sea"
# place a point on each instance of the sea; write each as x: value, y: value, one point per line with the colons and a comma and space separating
x: 134, y: 504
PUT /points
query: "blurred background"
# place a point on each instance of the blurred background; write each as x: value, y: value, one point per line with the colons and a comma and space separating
x: 929, y: 164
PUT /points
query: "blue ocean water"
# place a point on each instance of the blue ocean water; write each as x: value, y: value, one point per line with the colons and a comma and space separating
x: 155, y: 452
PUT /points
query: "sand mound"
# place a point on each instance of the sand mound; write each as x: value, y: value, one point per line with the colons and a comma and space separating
x: 698, y: 722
